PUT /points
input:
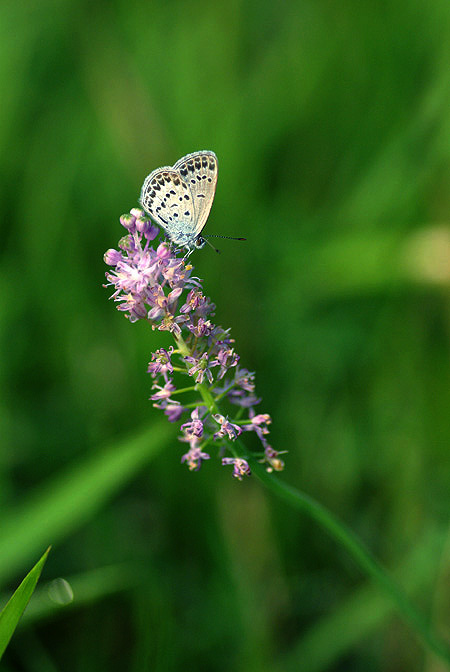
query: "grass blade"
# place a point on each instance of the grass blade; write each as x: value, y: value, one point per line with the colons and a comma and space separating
x: 13, y: 610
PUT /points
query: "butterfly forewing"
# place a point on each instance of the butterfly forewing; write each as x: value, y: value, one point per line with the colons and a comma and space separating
x: 179, y: 198
x: 199, y: 170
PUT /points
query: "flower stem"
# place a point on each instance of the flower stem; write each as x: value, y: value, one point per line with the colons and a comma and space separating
x: 361, y: 555
x: 201, y: 387
x: 191, y: 388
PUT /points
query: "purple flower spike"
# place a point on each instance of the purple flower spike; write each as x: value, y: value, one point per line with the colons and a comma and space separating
x: 241, y: 467
x: 153, y: 284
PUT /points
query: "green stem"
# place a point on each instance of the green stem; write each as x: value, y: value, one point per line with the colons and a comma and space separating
x: 361, y: 555
x: 185, y: 389
x: 205, y: 394
x: 201, y: 387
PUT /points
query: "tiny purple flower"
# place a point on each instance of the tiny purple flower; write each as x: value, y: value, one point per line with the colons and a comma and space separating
x: 145, y: 226
x: 202, y: 328
x: 174, y: 272
x: 195, y: 427
x: 161, y: 363
x: 197, y: 302
x: 171, y: 324
x: 172, y: 409
x: 241, y: 398
x: 258, y: 423
x: 273, y: 461
x: 245, y: 380
x: 134, y: 306
x: 194, y: 458
x: 226, y: 428
x: 112, y: 257
x: 241, y: 467
x: 226, y: 358
x: 163, y: 251
x: 200, y: 368
x: 261, y: 420
x: 163, y: 392
x: 129, y: 222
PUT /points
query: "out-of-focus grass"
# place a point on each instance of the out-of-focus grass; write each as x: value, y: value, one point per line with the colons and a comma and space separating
x: 332, y: 127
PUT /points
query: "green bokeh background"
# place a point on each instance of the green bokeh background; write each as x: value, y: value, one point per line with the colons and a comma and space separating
x: 331, y: 122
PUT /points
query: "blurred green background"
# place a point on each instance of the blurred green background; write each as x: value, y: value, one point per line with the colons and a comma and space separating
x: 331, y: 122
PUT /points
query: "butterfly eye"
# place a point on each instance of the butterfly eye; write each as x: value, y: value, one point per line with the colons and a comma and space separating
x: 199, y: 242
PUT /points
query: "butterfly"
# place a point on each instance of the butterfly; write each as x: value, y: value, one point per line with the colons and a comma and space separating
x: 179, y: 197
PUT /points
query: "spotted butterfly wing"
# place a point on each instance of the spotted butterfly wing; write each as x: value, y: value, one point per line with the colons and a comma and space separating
x: 200, y: 170
x: 179, y: 198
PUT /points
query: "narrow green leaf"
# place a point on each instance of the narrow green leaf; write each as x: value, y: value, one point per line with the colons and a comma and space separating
x: 13, y: 610
x: 64, y: 503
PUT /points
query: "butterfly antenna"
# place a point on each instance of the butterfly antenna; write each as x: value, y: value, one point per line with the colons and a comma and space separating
x: 217, y: 235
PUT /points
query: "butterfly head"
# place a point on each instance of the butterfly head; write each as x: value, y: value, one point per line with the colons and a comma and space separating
x: 199, y: 242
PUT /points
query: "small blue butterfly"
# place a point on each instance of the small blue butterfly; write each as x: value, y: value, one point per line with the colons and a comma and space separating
x: 179, y: 198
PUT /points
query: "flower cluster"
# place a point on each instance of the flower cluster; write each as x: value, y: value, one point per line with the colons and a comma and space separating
x: 157, y: 286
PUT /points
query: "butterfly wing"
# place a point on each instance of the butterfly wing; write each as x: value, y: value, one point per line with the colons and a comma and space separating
x: 199, y: 170
x: 167, y: 198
